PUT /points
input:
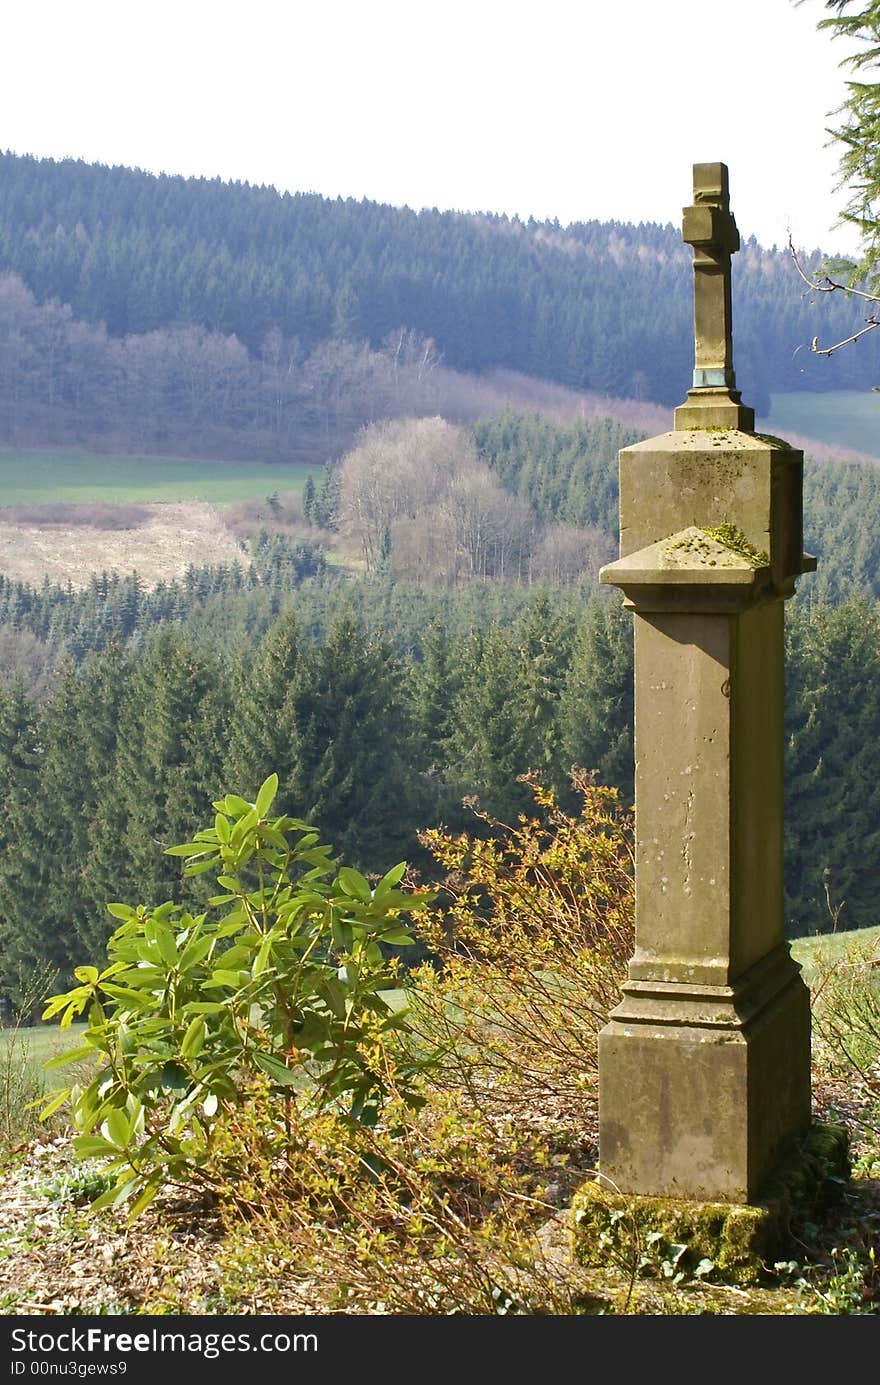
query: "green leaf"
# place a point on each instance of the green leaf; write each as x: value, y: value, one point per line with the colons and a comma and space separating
x: 200, y: 867
x: 166, y: 945
x: 124, y: 1189
x: 57, y: 1003
x: 116, y: 1128
x: 195, y: 951
x: 87, y: 1146
x: 263, y: 955
x: 205, y: 1007
x: 266, y: 795
x: 222, y: 978
x: 141, y: 1000
x: 275, y: 1069
x: 113, y: 970
x: 335, y: 995
x: 352, y: 883
x: 268, y: 834
x: 75, y: 1008
x: 120, y: 911
x: 340, y: 933
x: 75, y: 1055
x: 312, y: 1033
x: 57, y: 1099
x: 88, y: 975
x: 194, y: 1038
x: 175, y: 1078
x: 232, y: 923
x: 245, y: 825
x: 390, y: 879
x: 145, y: 1197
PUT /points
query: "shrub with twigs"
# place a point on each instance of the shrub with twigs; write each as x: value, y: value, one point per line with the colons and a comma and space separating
x: 533, y: 928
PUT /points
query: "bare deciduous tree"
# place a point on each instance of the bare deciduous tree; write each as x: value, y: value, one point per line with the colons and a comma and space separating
x: 399, y: 469
x: 564, y: 552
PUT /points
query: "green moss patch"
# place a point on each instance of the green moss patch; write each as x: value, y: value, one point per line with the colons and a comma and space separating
x: 730, y: 537
x: 719, y: 1241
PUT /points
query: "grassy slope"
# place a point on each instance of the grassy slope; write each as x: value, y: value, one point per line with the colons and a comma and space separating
x: 28, y: 477
x: 842, y: 419
x: 830, y: 947
x: 41, y: 1041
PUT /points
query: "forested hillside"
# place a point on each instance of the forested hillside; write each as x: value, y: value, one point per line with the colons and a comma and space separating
x: 382, y: 701
x: 220, y: 282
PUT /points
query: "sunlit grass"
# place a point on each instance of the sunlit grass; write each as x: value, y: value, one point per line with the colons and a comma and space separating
x: 825, y: 948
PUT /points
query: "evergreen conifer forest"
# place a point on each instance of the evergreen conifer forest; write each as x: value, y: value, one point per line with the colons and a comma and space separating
x: 383, y: 701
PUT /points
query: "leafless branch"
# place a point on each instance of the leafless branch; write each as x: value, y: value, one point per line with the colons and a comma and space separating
x: 825, y: 284
x: 870, y: 323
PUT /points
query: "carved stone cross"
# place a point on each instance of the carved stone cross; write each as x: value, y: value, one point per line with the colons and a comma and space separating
x: 709, y: 227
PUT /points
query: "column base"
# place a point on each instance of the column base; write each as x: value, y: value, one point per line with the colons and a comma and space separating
x: 702, y: 1087
x: 741, y: 1240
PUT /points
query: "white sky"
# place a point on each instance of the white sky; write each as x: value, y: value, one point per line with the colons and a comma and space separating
x: 562, y: 108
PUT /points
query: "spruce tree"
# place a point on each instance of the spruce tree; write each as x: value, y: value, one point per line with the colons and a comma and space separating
x: 168, y: 766
x: 260, y: 733
x: 493, y: 739
x: 833, y: 766
x: 596, y: 709
x: 349, y: 767
x: 22, y: 867
x: 309, y: 499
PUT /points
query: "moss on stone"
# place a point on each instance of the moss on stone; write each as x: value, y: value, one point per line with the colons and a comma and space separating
x: 730, y: 537
x: 740, y: 1240
x: 609, y: 1227
x: 819, y: 1168
x: 774, y: 441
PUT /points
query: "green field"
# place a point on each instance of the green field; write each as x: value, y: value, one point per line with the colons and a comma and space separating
x: 27, y: 478
x: 842, y: 418
x: 37, y: 1042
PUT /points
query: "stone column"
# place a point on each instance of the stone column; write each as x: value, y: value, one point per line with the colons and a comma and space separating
x: 704, y: 1067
